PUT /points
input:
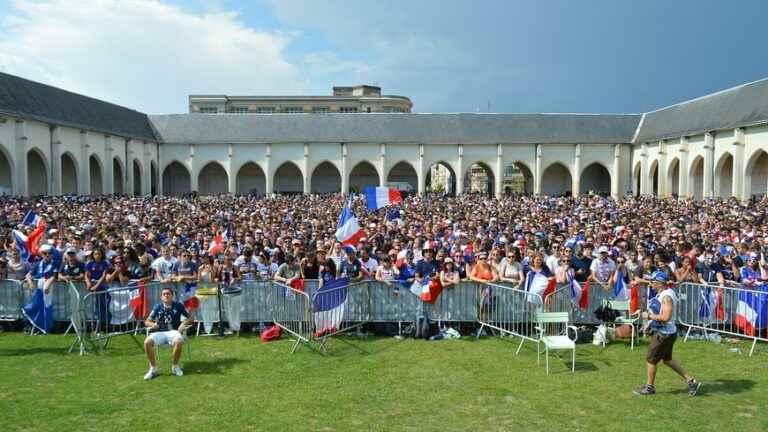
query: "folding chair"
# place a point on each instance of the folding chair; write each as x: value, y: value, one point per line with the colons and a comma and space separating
x: 630, y: 318
x: 184, y: 338
x: 559, y: 341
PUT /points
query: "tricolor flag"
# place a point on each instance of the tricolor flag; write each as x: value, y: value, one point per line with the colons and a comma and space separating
x: 379, y: 197
x: 127, y: 305
x: 39, y: 310
x: 428, y: 290
x: 579, y: 294
x: 329, y: 304
x: 711, y: 306
x: 28, y: 246
x: 539, y: 285
x: 348, y: 230
x: 752, y: 311
x: 620, y: 289
x: 32, y: 219
x: 188, y: 296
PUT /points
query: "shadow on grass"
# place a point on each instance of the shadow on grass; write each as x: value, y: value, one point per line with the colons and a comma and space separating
x: 11, y: 352
x: 723, y: 386
x: 211, y: 367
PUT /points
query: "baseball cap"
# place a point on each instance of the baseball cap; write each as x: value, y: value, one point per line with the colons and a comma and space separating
x: 659, y: 277
x: 602, y: 249
x: 349, y: 249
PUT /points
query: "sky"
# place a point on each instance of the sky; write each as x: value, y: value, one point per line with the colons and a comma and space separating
x: 518, y: 56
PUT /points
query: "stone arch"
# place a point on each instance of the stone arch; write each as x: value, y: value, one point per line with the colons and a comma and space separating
x: 96, y: 174
x: 118, y: 176
x: 756, y: 174
x: 673, y: 177
x: 556, y: 180
x: 176, y: 179
x: 6, y: 172
x: 724, y: 176
x: 636, y: 183
x: 653, y: 177
x: 288, y: 178
x: 69, y: 174
x: 325, y: 178
x: 696, y: 178
x: 250, y: 179
x: 363, y: 175
x: 479, y: 178
x: 153, y: 178
x: 403, y: 173
x: 37, y: 173
x: 212, y: 179
x: 595, y: 178
x: 440, y: 177
x: 518, y: 177
x: 137, y: 176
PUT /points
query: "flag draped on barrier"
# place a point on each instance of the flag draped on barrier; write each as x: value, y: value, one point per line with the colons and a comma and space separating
x: 539, y: 284
x: 579, y: 293
x: 711, y: 306
x: 620, y: 290
x: 752, y: 310
x: 329, y: 304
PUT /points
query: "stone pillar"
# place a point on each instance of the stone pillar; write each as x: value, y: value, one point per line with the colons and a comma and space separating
x: 307, y: 174
x: 645, y: 187
x: 538, y: 173
x: 85, y: 157
x: 129, y: 170
x: 738, y: 164
x: 109, y: 175
x: 268, y: 184
x: 499, y: 179
x: 662, y: 169
x: 55, y: 175
x: 193, y: 174
x: 576, y: 180
x: 231, y: 175
x: 460, y: 170
x: 420, y: 170
x: 146, y: 164
x: 20, y: 150
x: 682, y: 187
x: 382, y: 164
x: 616, y: 174
x: 344, y: 173
x: 709, y: 165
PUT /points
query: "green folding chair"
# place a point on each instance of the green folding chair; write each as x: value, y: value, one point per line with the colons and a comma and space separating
x: 555, y: 342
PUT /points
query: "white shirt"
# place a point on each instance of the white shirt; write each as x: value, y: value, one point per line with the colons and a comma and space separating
x: 602, y: 269
x: 371, y: 265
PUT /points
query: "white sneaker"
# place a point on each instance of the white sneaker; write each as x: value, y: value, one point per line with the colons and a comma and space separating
x: 153, y: 372
x: 176, y: 370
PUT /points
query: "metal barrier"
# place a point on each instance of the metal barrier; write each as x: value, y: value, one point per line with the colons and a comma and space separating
x: 510, y: 311
x: 292, y: 311
x: 733, y: 311
x: 339, y: 310
x: 11, y: 300
x: 597, y: 295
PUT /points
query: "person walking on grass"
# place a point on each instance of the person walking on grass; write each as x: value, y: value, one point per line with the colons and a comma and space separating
x: 165, y: 323
x: 663, y: 315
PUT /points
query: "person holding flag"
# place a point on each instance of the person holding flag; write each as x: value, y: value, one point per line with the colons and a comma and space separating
x: 39, y: 311
x: 662, y: 311
x: 348, y: 231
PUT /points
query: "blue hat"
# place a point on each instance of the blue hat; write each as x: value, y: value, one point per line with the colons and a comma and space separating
x: 660, y: 277
x: 349, y: 249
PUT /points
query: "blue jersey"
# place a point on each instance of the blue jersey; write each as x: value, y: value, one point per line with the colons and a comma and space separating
x: 168, y: 318
x: 44, y: 269
x: 97, y: 268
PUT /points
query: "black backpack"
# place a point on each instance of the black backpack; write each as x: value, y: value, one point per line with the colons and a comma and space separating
x: 605, y: 313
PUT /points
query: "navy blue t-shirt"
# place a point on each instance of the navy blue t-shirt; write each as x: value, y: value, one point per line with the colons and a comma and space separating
x: 350, y: 269
x: 168, y: 318
x: 97, y: 268
x: 427, y: 268
x: 583, y: 263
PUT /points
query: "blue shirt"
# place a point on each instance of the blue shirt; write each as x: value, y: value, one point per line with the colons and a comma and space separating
x: 44, y: 269
x: 350, y: 269
x: 168, y: 318
x: 97, y: 268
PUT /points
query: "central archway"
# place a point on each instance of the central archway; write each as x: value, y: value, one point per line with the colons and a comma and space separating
x: 403, y: 176
x: 653, y: 180
x: 117, y: 176
x: 176, y: 179
x: 363, y: 175
x: 288, y: 179
x: 440, y: 178
x: 137, y: 178
x: 595, y: 179
x: 756, y: 179
x: 673, y: 177
x: 37, y: 174
x: 696, y: 179
x: 325, y: 179
x: 724, y: 176
x: 68, y: 174
x: 213, y: 179
x: 6, y: 174
x: 556, y: 180
x: 250, y: 179
x: 518, y: 178
x: 94, y: 171
x: 479, y: 179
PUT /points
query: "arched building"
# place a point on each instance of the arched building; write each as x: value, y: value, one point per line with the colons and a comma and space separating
x: 55, y: 142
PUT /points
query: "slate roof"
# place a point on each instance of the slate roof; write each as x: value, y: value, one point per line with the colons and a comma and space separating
x: 29, y: 99
x: 396, y: 128
x: 743, y: 105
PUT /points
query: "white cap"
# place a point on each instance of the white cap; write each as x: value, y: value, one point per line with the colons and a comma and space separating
x: 602, y: 249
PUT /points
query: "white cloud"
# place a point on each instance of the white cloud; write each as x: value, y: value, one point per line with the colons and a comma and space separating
x: 144, y: 54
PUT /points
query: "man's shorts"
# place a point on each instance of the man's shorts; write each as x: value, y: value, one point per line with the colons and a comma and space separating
x: 661, y: 347
x: 166, y: 338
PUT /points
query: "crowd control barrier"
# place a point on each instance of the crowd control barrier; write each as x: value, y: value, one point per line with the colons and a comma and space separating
x: 727, y: 310
x: 11, y: 300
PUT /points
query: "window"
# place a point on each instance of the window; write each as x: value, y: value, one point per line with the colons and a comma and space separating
x: 209, y: 110
x: 347, y: 109
x: 265, y: 110
x: 294, y: 110
x: 321, y: 110
x: 239, y: 110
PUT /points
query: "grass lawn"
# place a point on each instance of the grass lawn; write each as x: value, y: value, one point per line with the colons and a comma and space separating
x: 243, y: 384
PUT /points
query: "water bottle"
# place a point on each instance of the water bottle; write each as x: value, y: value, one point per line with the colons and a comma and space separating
x: 714, y: 337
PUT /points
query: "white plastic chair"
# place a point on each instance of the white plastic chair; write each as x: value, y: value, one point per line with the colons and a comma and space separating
x: 558, y: 341
x: 629, y: 318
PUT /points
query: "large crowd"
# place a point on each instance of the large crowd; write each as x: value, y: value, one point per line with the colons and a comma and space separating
x: 112, y: 240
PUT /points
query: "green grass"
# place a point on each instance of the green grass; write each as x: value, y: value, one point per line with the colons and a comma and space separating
x: 243, y: 384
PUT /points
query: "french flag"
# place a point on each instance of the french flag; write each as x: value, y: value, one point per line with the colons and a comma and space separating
x: 379, y: 197
x: 28, y: 245
x: 428, y: 290
x: 711, y: 306
x: 348, y: 230
x: 39, y: 310
x: 539, y: 285
x: 620, y: 289
x: 32, y: 219
x: 329, y: 304
x: 189, y: 296
x: 752, y: 311
x: 579, y: 294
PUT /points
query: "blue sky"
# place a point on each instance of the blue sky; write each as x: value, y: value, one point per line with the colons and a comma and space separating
x: 448, y: 56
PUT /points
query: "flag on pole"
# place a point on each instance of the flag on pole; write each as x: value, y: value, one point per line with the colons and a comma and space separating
x: 32, y: 219
x: 28, y: 246
x: 348, y: 231
x: 380, y: 197
x: 329, y: 304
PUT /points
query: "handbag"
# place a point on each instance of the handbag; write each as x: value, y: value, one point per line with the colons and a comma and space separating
x: 605, y: 313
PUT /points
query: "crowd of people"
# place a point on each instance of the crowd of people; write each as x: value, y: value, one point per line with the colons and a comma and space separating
x: 112, y: 240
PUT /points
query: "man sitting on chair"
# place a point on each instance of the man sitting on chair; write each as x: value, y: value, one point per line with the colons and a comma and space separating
x: 167, y: 329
